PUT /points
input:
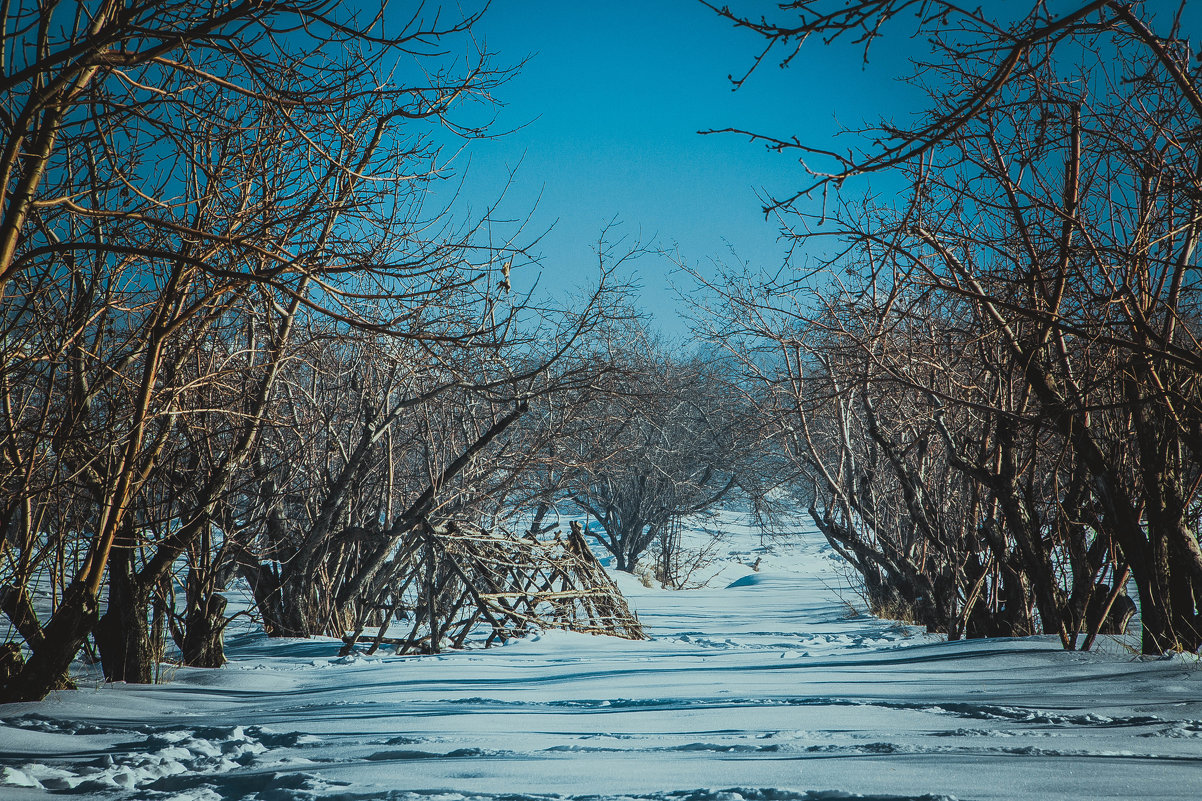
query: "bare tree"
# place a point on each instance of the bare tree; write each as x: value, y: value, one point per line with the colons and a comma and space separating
x: 173, y: 176
x: 1051, y: 231
x: 664, y: 440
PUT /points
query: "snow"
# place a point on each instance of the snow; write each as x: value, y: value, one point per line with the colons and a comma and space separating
x: 764, y: 686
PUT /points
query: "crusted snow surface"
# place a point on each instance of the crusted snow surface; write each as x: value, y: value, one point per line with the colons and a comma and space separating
x: 768, y: 685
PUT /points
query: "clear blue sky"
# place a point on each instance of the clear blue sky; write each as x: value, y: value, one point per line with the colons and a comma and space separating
x: 612, y: 98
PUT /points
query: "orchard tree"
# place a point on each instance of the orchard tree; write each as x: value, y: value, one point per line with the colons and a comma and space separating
x: 1050, y: 229
x: 667, y: 438
x: 181, y: 185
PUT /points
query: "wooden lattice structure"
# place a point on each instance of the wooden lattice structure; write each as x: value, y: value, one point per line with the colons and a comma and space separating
x: 457, y: 581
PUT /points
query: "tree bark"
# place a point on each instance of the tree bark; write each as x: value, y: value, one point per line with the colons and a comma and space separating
x: 128, y: 651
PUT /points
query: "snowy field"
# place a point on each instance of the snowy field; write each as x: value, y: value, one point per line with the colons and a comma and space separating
x: 765, y: 685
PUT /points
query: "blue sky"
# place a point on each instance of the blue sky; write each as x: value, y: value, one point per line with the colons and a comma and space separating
x: 611, y: 101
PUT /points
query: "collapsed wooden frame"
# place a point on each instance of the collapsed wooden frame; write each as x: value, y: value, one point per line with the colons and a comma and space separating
x: 456, y: 579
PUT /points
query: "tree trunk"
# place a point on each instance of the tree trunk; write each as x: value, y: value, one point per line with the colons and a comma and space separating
x: 203, y: 643
x: 49, y: 663
x: 297, y: 618
x: 128, y: 650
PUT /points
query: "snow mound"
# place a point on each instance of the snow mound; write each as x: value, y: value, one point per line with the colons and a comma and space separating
x: 159, y: 755
x: 750, y: 580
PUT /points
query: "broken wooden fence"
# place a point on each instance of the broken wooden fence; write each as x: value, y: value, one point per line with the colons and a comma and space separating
x: 456, y: 579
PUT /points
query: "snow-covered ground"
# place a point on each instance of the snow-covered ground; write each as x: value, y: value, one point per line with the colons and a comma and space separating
x: 765, y: 685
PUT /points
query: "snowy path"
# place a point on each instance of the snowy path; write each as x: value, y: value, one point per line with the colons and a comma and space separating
x: 767, y: 684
